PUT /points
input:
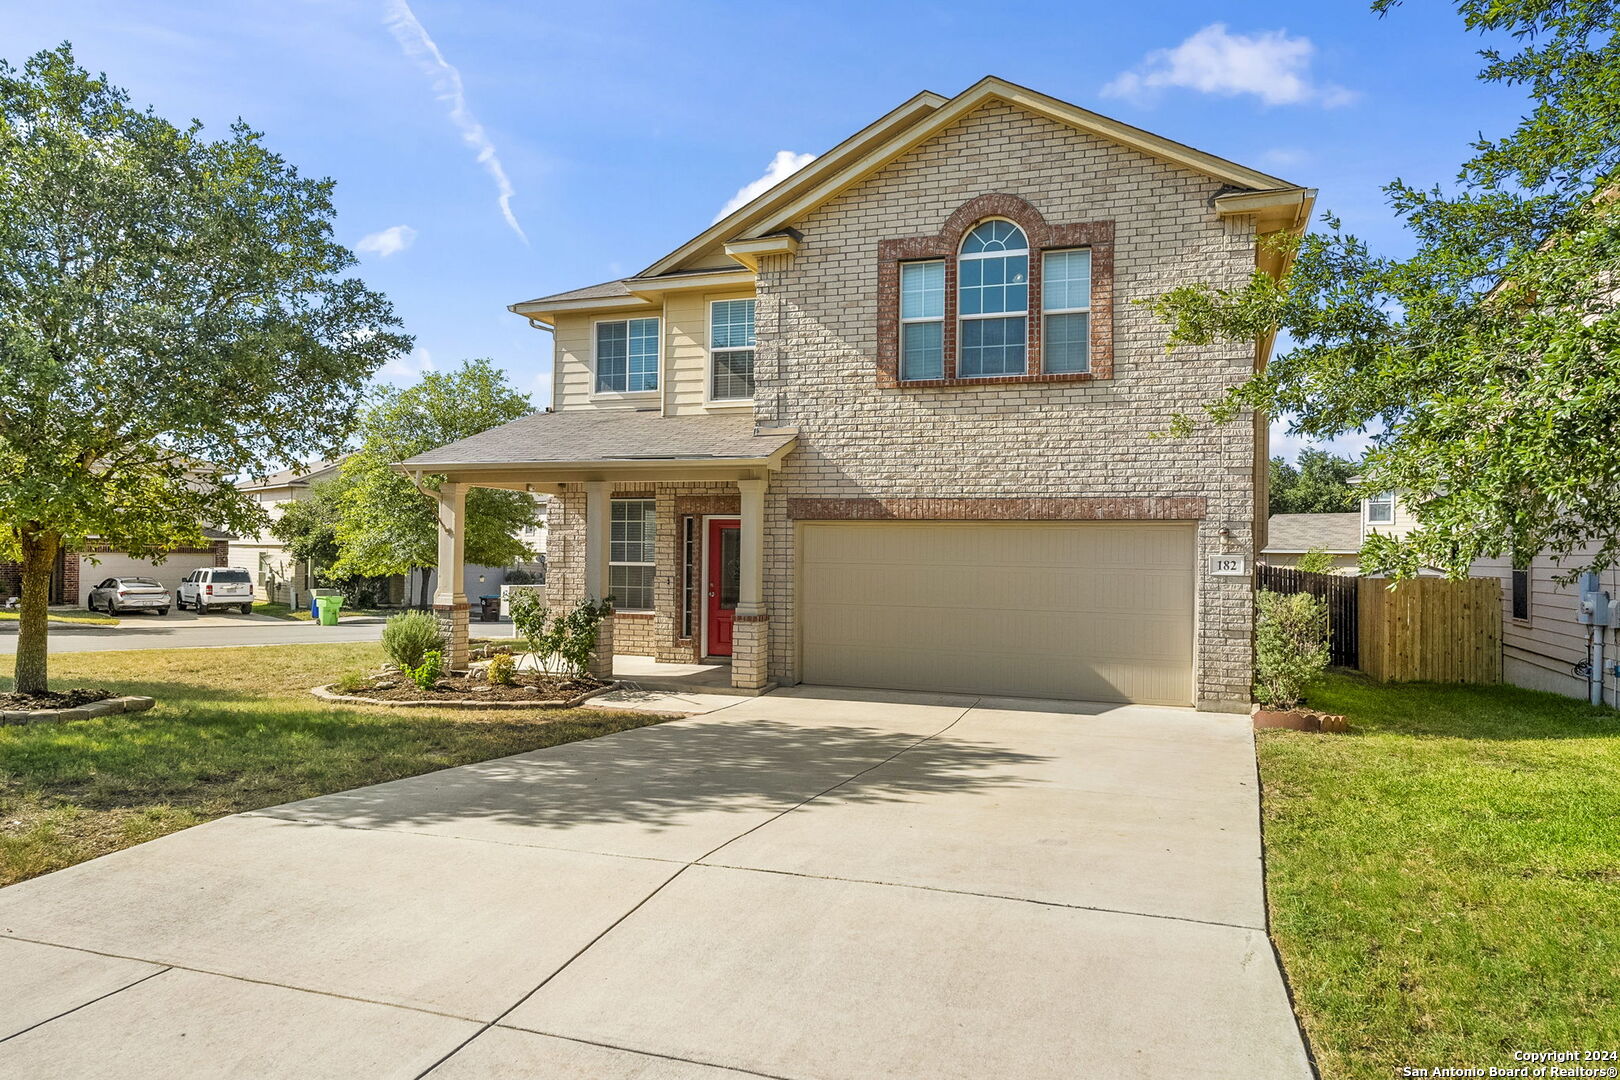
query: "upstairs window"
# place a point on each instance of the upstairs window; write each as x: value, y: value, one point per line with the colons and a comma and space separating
x: 731, y: 350
x: 922, y: 320
x: 1381, y: 509
x: 993, y: 300
x: 1066, y: 311
x: 632, y: 541
x: 626, y: 356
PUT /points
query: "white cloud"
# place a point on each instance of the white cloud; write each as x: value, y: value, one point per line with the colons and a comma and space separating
x: 390, y: 241
x: 1282, y: 156
x: 414, y: 40
x: 1270, y: 64
x: 1351, y: 444
x: 782, y: 166
x: 408, y: 368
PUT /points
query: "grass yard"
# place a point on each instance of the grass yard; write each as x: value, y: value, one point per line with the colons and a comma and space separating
x: 233, y: 730
x: 1445, y: 880
x: 78, y: 616
x: 283, y: 611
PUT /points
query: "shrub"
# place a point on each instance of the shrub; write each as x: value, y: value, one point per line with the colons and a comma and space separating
x: 425, y: 674
x: 410, y: 636
x: 501, y: 668
x: 1316, y: 561
x: 350, y: 681
x: 519, y: 576
x: 566, y: 641
x: 1290, y: 646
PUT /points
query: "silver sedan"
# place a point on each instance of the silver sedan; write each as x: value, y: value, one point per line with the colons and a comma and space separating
x: 118, y: 595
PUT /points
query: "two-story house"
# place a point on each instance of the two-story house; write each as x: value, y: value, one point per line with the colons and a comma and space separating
x: 896, y: 422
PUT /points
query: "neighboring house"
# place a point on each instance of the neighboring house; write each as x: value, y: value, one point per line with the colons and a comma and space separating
x: 892, y: 423
x: 277, y: 576
x: 1288, y: 536
x: 1544, y: 647
x: 78, y: 571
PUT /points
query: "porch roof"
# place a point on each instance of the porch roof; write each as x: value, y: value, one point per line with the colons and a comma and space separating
x: 610, y: 441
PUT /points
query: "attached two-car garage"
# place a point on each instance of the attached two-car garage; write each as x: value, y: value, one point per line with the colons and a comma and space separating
x: 1099, y: 611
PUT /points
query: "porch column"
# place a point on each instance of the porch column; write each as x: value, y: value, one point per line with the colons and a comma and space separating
x: 449, y: 595
x: 750, y: 630
x: 598, y: 498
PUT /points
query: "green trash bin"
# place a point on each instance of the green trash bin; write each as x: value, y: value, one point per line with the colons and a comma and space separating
x: 330, y: 606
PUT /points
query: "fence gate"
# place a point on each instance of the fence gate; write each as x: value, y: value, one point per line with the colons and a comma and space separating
x: 1343, y: 605
x: 1432, y: 629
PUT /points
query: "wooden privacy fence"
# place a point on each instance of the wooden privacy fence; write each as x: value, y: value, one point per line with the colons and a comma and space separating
x: 1432, y: 629
x: 1342, y: 600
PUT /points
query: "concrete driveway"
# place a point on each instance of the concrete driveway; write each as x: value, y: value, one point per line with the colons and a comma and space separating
x: 812, y: 884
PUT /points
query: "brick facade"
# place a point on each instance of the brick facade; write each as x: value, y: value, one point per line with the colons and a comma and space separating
x: 1027, y: 448
x: 818, y: 324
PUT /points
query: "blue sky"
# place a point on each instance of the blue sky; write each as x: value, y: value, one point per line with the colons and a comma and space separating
x: 486, y: 152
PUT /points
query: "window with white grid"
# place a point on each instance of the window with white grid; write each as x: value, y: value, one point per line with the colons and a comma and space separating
x: 731, y: 350
x: 992, y: 300
x: 922, y: 320
x: 632, y: 539
x: 1066, y: 311
x: 626, y: 356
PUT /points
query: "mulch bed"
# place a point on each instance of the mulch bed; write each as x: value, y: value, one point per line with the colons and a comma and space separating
x: 52, y: 699
x: 527, y: 686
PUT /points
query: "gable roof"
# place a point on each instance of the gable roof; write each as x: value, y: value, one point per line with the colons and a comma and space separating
x: 1292, y: 534
x: 925, y: 116
x: 299, y: 475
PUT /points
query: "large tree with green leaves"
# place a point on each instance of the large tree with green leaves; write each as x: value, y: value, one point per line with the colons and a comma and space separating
x: 173, y: 313
x: 1487, y: 362
x: 388, y: 526
x: 1317, y: 483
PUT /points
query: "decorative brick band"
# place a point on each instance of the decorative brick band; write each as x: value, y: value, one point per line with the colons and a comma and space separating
x: 697, y: 505
x: 1112, y: 508
x: 750, y: 618
x: 1098, y: 236
x: 633, y: 616
x: 464, y: 606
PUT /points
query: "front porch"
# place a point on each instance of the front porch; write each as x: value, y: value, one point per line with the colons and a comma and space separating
x: 665, y: 516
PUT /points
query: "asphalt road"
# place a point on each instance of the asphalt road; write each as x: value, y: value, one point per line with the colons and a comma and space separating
x: 187, y: 630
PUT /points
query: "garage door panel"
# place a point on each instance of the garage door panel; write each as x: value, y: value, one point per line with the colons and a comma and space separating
x: 1085, y: 610
x: 168, y: 573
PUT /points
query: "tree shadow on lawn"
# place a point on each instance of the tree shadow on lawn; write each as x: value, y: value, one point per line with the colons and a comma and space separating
x: 1460, y: 711
x: 659, y: 775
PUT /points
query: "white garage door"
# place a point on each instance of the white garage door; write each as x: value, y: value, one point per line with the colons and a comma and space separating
x: 1094, y: 611
x: 169, y: 572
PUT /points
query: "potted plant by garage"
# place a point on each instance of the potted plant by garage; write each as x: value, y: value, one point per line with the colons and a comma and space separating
x: 1290, y: 653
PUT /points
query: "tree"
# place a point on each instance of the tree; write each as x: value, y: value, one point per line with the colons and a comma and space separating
x: 309, y: 526
x: 386, y: 525
x: 1319, y: 484
x: 1490, y: 358
x: 172, y: 314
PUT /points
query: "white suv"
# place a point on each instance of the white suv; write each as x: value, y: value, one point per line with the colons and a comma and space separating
x: 220, y: 586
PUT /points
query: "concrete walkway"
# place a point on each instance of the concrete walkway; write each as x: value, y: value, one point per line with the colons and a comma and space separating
x: 811, y: 884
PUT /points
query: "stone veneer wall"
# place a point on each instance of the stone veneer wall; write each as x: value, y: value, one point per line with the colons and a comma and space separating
x: 817, y: 365
x: 635, y: 633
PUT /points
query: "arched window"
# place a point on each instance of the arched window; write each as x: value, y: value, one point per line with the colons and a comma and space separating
x: 992, y: 300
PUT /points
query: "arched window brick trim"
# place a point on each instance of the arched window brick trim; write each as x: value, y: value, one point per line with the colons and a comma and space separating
x: 1096, y: 235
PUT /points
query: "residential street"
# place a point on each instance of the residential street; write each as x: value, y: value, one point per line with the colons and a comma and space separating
x: 187, y: 630
x: 817, y: 884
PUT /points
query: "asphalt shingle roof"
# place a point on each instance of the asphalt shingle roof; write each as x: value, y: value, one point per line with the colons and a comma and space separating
x: 581, y: 435
x: 1293, y: 533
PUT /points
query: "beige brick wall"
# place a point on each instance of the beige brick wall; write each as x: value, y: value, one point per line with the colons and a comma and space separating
x: 817, y: 358
x: 635, y: 634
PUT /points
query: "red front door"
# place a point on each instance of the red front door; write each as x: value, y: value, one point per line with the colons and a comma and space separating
x: 725, y: 566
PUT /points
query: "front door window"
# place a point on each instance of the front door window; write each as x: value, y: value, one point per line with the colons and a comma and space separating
x: 725, y: 571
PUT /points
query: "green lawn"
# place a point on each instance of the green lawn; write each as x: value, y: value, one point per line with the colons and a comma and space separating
x: 1445, y: 880
x: 234, y: 730
x: 75, y: 616
x: 282, y: 611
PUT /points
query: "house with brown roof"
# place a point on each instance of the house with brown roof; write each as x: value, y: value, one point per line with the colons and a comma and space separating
x: 1290, y: 536
x: 894, y: 423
